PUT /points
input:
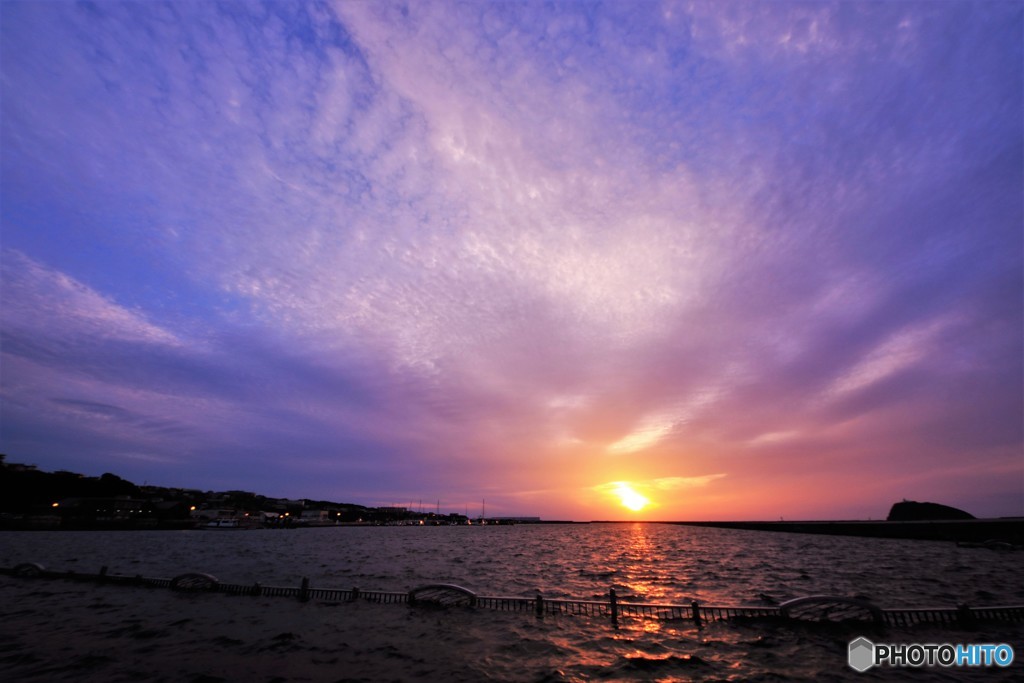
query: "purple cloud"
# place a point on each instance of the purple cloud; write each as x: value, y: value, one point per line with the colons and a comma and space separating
x: 729, y: 253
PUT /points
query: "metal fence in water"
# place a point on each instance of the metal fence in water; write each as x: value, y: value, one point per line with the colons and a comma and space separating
x: 811, y: 608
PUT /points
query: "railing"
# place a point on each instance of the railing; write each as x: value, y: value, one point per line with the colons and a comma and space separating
x: 811, y: 608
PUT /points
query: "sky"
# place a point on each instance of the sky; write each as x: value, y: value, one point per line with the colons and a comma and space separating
x: 739, y: 260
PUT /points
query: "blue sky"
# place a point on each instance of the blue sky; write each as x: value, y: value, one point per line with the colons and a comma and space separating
x: 755, y: 259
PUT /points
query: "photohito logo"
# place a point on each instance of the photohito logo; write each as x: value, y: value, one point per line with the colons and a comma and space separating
x: 863, y: 654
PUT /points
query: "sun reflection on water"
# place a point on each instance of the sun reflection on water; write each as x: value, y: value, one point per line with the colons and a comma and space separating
x: 639, y: 554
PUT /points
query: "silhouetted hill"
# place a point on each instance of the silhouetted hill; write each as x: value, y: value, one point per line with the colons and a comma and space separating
x: 912, y: 511
x: 31, y: 498
x: 24, y: 488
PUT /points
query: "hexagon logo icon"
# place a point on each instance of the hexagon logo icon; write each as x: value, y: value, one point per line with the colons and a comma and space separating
x: 862, y: 654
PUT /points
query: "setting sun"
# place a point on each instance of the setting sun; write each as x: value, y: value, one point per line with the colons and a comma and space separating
x: 630, y: 498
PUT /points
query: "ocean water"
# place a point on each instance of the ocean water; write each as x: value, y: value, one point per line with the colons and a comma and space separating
x: 219, y: 637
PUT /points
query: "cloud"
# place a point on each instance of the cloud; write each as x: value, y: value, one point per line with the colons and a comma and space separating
x: 673, y: 483
x: 37, y: 298
x: 505, y: 242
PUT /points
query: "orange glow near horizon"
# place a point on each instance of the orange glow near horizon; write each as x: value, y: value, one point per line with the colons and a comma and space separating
x: 630, y: 498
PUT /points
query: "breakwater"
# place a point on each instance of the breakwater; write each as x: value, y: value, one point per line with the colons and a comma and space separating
x: 810, y: 608
x: 1009, y: 531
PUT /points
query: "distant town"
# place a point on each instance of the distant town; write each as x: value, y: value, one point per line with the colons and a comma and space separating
x: 34, y: 499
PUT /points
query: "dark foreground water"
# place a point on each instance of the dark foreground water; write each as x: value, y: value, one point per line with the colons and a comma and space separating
x: 67, y: 631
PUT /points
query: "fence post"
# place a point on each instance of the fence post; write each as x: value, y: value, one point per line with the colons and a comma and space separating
x: 615, y: 606
x: 964, y: 614
x: 695, y: 610
x: 304, y: 589
x: 540, y: 605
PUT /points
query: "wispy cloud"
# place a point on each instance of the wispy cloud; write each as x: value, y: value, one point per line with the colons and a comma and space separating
x: 386, y: 251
